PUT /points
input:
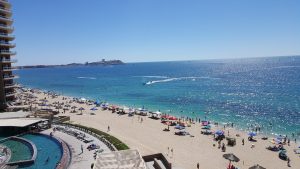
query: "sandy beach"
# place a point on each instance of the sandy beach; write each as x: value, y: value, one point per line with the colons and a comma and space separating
x: 148, y: 137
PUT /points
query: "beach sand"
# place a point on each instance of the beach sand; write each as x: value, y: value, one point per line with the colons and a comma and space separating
x: 148, y: 137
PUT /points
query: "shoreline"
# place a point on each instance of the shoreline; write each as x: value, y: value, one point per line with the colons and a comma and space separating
x: 148, y: 137
x: 237, y: 127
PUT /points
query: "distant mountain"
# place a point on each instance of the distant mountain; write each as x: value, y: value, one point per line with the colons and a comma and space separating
x: 98, y: 63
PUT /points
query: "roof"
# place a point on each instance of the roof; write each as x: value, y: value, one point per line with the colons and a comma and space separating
x: 19, y: 122
x: 18, y: 114
x: 120, y: 159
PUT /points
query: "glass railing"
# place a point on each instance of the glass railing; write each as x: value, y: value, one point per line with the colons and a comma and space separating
x: 7, y: 43
x: 6, y: 18
x: 8, y: 76
x: 6, y: 26
x: 8, y: 60
x: 5, y: 9
x: 6, y: 35
x: 10, y: 93
x: 7, y: 52
x: 9, y: 68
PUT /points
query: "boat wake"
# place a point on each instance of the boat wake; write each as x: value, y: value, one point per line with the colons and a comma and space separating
x: 92, y: 78
x: 158, y: 77
x: 175, y: 79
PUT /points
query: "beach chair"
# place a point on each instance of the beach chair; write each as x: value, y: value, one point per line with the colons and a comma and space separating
x: 297, y: 151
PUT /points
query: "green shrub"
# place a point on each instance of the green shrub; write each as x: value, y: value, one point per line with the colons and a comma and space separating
x: 113, y: 140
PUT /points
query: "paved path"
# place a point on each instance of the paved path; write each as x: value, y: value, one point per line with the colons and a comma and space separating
x: 79, y: 160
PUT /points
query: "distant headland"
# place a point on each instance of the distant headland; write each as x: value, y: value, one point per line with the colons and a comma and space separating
x: 103, y: 62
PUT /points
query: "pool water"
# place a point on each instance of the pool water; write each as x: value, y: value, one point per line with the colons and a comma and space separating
x: 20, y: 151
x: 47, y: 149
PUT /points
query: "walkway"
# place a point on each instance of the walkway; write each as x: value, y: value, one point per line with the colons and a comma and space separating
x: 79, y: 160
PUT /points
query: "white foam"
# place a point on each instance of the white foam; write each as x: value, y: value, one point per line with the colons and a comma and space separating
x: 159, y: 77
x: 175, y: 79
x: 92, y: 78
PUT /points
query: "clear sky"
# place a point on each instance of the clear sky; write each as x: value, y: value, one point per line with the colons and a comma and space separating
x: 65, y: 31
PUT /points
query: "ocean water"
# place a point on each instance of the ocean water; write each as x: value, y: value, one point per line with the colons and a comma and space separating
x: 257, y: 91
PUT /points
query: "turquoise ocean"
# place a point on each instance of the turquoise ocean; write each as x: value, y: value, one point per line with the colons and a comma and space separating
x: 254, y: 91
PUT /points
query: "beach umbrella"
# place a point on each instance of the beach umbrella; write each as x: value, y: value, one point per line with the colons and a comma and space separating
x: 231, y: 157
x: 206, y: 127
x: 172, y: 118
x: 81, y: 108
x: 280, y: 138
x: 179, y: 127
x: 93, y: 109
x: 97, y: 102
x: 251, y: 134
x: 219, y: 132
x: 73, y: 107
x: 257, y: 167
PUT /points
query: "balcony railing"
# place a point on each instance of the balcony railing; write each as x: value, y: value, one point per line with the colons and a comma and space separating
x: 9, y: 77
x: 12, y: 45
x: 7, y: 52
x: 9, y: 68
x: 6, y: 19
x: 5, y: 2
x: 13, y: 85
x: 9, y: 94
x: 7, y: 36
x: 5, y: 10
x: 8, y: 60
x: 7, y: 28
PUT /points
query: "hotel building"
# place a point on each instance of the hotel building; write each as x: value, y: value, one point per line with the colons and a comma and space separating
x: 7, y: 85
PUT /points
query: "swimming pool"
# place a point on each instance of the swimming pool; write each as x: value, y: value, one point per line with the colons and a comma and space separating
x: 20, y: 151
x: 49, y: 151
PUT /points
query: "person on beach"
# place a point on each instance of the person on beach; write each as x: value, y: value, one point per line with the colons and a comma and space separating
x: 288, y: 162
x: 81, y: 148
x: 172, y: 151
x: 198, y: 166
x: 243, y: 141
x: 108, y: 128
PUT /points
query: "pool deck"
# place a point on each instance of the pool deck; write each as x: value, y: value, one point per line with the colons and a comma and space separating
x: 5, y: 158
x: 79, y: 160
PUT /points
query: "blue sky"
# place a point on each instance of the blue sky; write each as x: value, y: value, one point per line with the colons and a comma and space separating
x: 65, y: 31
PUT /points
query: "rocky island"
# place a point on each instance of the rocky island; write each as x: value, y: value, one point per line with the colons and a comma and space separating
x: 103, y: 62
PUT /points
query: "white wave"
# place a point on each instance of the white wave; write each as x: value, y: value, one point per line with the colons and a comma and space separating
x: 175, y: 79
x: 92, y: 78
x: 159, y: 77
x: 283, y: 67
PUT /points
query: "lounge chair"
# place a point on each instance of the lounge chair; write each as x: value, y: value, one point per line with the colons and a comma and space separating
x: 297, y: 151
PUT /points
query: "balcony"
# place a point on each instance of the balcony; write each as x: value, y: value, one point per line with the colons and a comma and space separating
x: 9, y: 69
x: 10, y: 94
x: 6, y: 11
x: 10, y: 86
x: 6, y: 20
x: 6, y: 36
x: 5, y: 3
x: 7, y: 52
x: 10, y: 77
x: 7, y: 44
x: 8, y: 29
x: 8, y: 61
